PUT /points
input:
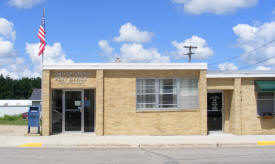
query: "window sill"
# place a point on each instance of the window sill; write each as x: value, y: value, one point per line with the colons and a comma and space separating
x: 266, y: 116
x: 166, y: 110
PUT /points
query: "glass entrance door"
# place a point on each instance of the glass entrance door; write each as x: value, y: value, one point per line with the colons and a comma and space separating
x: 214, y: 111
x: 73, y: 110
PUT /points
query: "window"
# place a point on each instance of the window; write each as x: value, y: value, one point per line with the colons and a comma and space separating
x: 265, y: 103
x: 56, y: 111
x: 189, y: 93
x: 146, y: 91
x: 167, y: 93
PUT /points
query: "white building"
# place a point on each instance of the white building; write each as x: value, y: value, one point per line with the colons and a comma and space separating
x: 12, y: 107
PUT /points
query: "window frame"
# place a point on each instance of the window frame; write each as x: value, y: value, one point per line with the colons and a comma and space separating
x: 157, y: 94
x: 273, y: 113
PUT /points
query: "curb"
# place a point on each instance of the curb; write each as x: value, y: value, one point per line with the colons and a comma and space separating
x: 176, y: 145
x: 179, y: 145
x: 144, y: 145
x: 107, y: 146
x: 237, y: 144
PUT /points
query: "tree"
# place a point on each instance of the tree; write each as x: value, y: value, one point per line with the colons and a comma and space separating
x: 18, y: 88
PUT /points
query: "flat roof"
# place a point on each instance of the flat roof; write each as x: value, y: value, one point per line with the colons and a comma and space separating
x: 161, y: 66
x: 127, y: 66
x: 239, y: 73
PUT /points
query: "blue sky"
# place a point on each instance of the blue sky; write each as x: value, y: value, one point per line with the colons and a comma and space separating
x: 137, y: 31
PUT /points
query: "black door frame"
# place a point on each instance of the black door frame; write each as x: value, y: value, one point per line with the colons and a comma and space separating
x: 222, y: 110
x: 82, y: 109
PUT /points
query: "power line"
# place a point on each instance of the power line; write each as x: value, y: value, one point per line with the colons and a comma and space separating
x: 235, y: 57
x: 190, y: 53
x: 257, y: 62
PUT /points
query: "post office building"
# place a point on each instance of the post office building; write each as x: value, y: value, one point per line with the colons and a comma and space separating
x: 156, y: 99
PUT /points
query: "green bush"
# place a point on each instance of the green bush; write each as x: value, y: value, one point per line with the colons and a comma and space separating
x: 13, y: 120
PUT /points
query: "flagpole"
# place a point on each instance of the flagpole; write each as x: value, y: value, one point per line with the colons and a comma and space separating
x: 43, y: 51
x: 41, y: 105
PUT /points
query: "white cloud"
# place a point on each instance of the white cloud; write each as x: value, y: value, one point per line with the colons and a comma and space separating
x: 5, y: 72
x: 245, y: 32
x: 105, y: 47
x: 130, y: 33
x: 213, y: 6
x: 202, y: 52
x: 52, y: 55
x: 6, y: 29
x: 135, y: 53
x: 15, y: 68
x: 6, y: 48
x: 228, y: 66
x: 263, y: 68
x: 18, y: 74
x: 7, y: 37
x: 10, y: 64
x: 25, y: 4
x: 252, y: 37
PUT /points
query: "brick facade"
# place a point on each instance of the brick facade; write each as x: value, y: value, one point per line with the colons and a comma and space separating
x: 116, y: 112
x: 240, y: 106
x: 122, y: 118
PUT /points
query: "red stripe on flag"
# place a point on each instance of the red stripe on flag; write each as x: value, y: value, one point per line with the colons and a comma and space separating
x: 41, y: 49
x: 42, y: 37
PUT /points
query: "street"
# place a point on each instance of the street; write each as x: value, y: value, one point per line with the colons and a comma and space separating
x: 133, y: 155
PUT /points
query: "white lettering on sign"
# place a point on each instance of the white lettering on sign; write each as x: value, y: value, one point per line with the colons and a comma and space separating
x: 72, y: 77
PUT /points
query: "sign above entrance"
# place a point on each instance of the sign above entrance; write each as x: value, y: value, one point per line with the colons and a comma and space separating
x: 72, y: 77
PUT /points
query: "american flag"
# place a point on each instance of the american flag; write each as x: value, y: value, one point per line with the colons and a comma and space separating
x: 42, y: 36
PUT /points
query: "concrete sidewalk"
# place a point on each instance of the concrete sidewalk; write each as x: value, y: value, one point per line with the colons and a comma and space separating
x: 92, y: 141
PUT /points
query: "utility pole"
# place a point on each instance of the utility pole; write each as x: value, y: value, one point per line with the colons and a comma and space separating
x: 190, y: 52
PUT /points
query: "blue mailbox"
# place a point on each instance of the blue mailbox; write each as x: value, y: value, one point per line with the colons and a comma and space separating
x: 34, y: 118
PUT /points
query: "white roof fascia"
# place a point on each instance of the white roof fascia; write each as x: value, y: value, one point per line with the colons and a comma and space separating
x: 240, y: 75
x: 128, y: 66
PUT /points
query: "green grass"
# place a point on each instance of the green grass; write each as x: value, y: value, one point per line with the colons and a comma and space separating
x: 13, y: 120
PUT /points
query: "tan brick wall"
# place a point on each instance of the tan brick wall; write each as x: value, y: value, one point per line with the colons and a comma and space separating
x: 220, y: 84
x: 121, y: 117
x: 236, y: 107
x: 251, y: 124
x: 227, y: 111
x: 99, y: 103
x: 241, y: 110
x: 226, y: 85
x: 46, y: 104
x: 203, y: 102
x: 90, y: 82
x: 51, y: 82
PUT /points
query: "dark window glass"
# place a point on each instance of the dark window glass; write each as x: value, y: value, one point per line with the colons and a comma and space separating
x: 73, y: 105
x: 56, y: 111
x: 89, y: 110
x: 265, y: 103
